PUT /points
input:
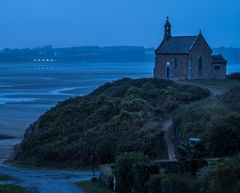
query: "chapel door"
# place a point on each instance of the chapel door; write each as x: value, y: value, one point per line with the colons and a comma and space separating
x: 168, y: 73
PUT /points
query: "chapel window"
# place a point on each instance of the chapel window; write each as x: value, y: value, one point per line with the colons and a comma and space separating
x: 200, y: 63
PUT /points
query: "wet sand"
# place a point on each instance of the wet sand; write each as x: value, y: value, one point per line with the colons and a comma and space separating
x: 13, y: 123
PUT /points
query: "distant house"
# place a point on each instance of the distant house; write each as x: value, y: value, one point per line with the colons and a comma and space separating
x: 187, y: 57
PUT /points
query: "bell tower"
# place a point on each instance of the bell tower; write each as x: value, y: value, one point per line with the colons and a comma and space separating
x: 167, y: 30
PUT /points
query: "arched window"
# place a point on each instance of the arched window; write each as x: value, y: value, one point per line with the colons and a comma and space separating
x: 200, y: 63
x: 175, y: 63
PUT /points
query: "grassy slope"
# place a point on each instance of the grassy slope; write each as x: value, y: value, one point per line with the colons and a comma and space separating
x: 90, y: 187
x: 118, y: 117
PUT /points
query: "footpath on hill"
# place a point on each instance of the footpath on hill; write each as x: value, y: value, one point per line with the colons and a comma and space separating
x: 216, y: 87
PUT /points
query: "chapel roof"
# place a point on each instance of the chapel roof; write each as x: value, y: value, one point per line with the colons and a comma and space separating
x: 218, y: 59
x: 176, y: 45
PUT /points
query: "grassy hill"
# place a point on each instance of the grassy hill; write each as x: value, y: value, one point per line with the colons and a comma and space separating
x: 118, y: 117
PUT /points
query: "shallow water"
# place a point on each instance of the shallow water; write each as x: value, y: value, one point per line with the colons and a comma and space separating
x: 46, y: 181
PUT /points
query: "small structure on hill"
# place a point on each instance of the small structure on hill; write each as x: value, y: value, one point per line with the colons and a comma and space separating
x: 187, y: 58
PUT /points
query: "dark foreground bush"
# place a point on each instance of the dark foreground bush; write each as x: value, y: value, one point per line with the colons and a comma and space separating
x: 224, y: 179
x: 154, y: 183
x: 173, y: 184
x: 142, y: 171
x: 234, y: 76
x: 124, y: 170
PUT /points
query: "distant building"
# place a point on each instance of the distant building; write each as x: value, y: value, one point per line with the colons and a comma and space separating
x: 187, y: 58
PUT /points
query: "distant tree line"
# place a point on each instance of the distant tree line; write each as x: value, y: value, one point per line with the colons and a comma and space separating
x: 78, y: 54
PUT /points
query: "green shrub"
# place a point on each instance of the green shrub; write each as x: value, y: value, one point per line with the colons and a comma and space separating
x: 155, y: 184
x: 223, y: 136
x: 224, y: 179
x: 135, y: 105
x: 142, y: 171
x: 170, y: 183
x: 179, y: 184
x: 124, y: 170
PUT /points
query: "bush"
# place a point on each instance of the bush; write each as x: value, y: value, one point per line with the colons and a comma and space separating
x: 223, y: 137
x: 142, y: 171
x: 224, y: 179
x: 234, y: 76
x: 135, y: 105
x: 124, y: 170
x: 155, y: 184
x: 179, y: 184
x: 231, y: 99
x: 173, y: 184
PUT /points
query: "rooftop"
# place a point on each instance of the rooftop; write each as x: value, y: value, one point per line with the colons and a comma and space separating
x: 177, y: 45
x: 218, y: 59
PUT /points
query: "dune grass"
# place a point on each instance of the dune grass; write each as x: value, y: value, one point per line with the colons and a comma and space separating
x: 90, y: 187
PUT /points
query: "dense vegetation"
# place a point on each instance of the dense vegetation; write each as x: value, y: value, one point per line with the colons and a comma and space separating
x: 118, y: 117
x: 216, y: 121
x: 219, y: 176
x: 224, y: 178
x: 126, y: 173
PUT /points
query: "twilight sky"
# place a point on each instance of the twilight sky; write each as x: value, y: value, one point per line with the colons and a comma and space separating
x: 63, y: 23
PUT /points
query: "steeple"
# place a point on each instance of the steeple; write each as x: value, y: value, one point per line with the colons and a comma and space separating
x: 167, y: 30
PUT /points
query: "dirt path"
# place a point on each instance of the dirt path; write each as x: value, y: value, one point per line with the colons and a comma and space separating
x: 169, y: 134
x: 169, y: 137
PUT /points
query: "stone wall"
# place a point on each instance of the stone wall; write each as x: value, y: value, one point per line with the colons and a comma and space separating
x: 219, y: 71
x: 201, y: 49
x: 164, y: 61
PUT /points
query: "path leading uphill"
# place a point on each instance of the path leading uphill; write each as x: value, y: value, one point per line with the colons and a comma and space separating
x: 46, y: 181
x: 169, y: 137
x: 169, y: 133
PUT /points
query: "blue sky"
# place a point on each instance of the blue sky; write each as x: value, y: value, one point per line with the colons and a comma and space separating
x: 63, y: 23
